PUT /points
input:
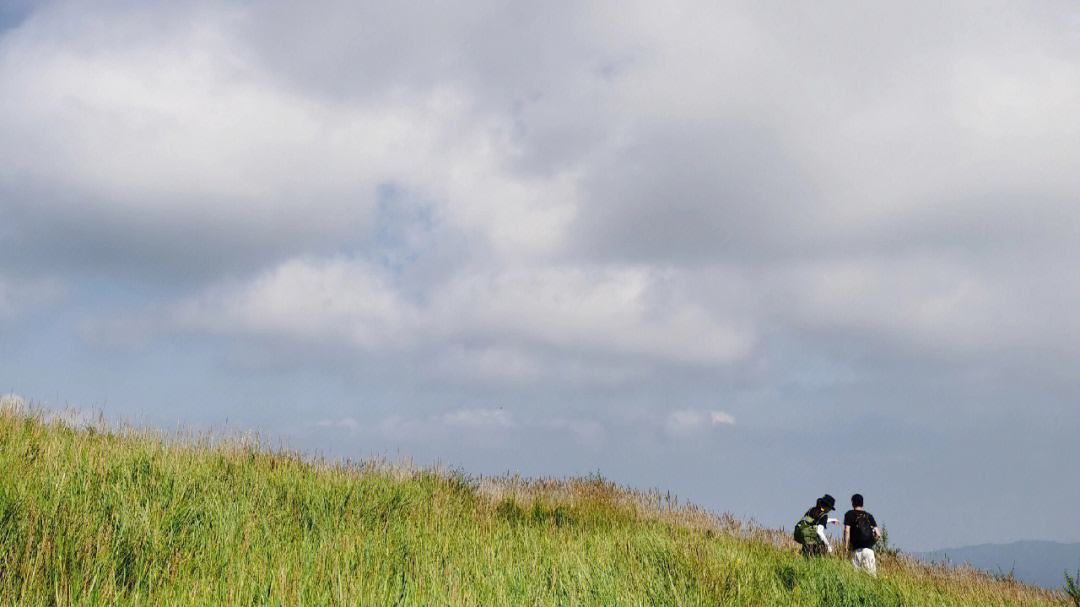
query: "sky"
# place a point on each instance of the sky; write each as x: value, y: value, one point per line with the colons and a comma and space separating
x: 746, y: 252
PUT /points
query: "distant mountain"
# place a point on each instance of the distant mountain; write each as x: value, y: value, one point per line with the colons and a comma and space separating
x: 1035, y: 562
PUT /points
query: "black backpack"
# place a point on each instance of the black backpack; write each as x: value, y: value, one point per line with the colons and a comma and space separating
x: 862, y: 532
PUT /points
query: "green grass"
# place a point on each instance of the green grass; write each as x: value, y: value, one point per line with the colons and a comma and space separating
x: 1072, y: 588
x: 89, y: 516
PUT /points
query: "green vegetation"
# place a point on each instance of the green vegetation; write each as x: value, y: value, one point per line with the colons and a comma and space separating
x: 1072, y: 587
x: 89, y: 516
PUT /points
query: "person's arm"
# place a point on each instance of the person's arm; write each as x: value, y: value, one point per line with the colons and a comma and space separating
x: 824, y: 538
x: 847, y: 537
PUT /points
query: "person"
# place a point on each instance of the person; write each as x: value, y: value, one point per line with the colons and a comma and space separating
x: 810, y: 530
x: 860, y: 534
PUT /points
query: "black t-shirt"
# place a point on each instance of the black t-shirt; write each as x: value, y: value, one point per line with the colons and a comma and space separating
x: 851, y: 518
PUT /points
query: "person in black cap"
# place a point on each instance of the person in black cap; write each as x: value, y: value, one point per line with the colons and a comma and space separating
x: 810, y: 530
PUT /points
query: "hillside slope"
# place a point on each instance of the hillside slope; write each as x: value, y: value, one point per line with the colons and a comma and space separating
x: 1035, y: 562
x: 128, y: 518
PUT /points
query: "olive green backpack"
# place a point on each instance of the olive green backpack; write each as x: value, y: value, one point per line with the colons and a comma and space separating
x: 805, y: 533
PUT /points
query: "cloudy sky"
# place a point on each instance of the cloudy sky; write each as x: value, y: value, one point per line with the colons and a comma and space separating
x: 746, y: 252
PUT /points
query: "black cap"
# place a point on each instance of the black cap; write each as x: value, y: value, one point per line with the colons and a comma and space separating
x: 827, y: 501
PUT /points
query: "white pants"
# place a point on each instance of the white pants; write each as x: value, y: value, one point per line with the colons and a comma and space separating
x: 864, y: 559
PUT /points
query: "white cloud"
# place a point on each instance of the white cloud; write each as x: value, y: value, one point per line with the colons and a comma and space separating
x: 521, y: 312
x: 719, y: 418
x: 477, y: 419
x: 686, y: 422
x: 932, y: 302
x: 184, y: 123
x: 610, y: 309
x: 344, y: 423
x: 591, y: 163
x: 335, y: 299
x: 487, y: 423
x: 476, y: 422
x: 585, y: 432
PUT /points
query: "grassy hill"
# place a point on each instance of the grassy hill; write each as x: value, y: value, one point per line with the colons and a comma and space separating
x: 1036, y: 562
x: 89, y: 516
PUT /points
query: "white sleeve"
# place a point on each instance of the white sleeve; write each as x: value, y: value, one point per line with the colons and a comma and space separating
x: 821, y: 534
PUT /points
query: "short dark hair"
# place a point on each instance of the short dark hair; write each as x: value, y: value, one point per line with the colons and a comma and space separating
x: 856, y: 500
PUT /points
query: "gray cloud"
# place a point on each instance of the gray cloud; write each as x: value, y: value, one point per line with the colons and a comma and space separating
x: 690, y: 195
x: 617, y: 219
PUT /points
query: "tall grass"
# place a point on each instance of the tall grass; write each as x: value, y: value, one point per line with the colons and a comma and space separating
x: 90, y: 516
x: 1072, y: 588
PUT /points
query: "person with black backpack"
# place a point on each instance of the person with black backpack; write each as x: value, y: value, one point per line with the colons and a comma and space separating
x: 810, y: 530
x: 860, y: 534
